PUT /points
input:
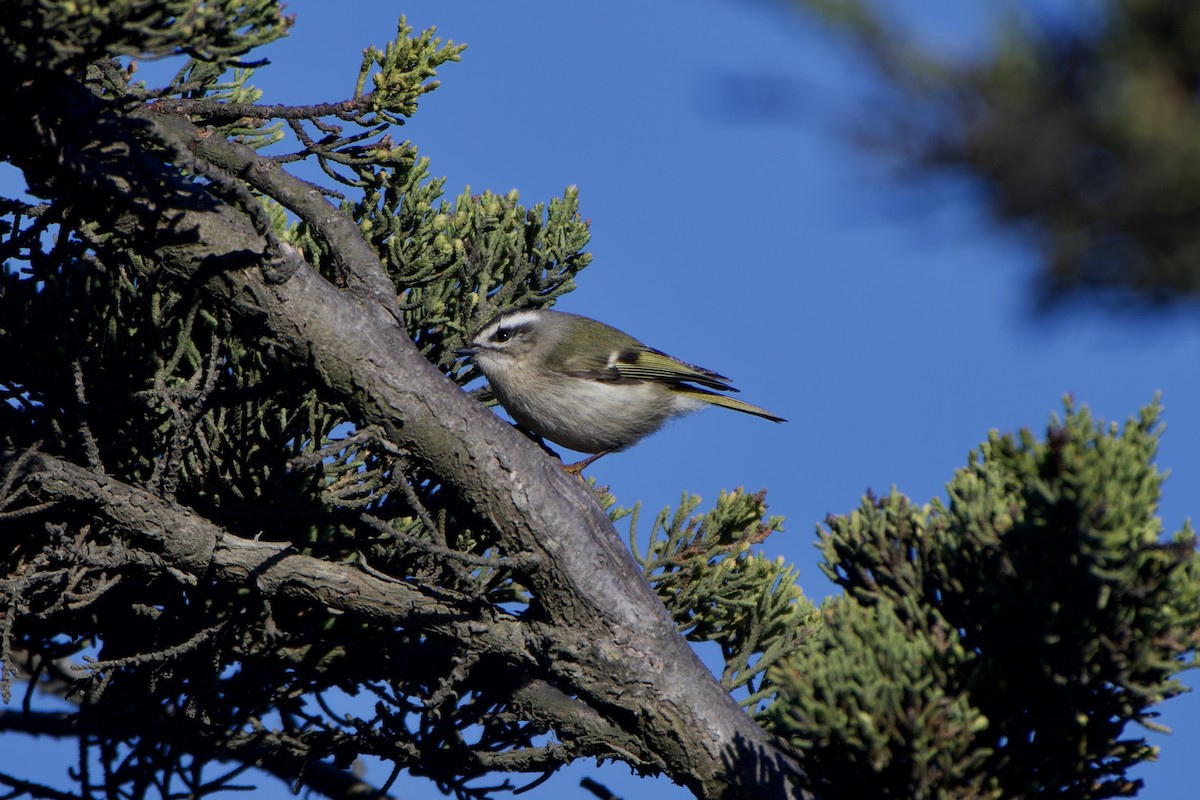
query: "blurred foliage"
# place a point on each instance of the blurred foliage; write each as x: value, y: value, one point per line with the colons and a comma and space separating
x: 1000, y: 644
x: 1085, y: 129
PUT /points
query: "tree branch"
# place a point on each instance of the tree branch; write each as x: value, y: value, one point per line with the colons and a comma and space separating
x: 615, y: 647
x: 320, y: 776
x: 197, y: 547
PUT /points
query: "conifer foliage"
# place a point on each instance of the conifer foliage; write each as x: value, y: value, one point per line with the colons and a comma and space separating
x: 1001, y: 643
x: 252, y: 522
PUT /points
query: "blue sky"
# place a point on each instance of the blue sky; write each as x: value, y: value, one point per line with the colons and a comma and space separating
x: 891, y: 323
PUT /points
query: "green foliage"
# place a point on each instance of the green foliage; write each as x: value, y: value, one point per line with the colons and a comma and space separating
x: 406, y: 68
x: 174, y: 396
x: 214, y: 83
x: 507, y: 256
x: 154, y: 384
x: 871, y: 701
x: 452, y: 263
x: 69, y: 33
x: 108, y: 363
x: 998, y: 645
x: 718, y: 589
x: 455, y: 263
x: 995, y: 645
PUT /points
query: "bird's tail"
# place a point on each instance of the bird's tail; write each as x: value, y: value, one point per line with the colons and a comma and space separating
x: 726, y: 401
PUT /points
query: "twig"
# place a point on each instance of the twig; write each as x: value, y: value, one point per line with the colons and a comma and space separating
x: 90, y: 449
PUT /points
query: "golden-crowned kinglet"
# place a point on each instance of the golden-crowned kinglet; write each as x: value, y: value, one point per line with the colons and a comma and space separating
x: 586, y: 385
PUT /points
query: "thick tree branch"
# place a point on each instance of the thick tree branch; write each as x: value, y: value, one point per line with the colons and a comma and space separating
x: 616, y: 649
x: 199, y: 549
x: 352, y: 253
x: 193, y: 545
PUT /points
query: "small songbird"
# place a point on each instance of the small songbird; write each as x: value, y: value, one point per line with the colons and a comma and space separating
x: 588, y: 386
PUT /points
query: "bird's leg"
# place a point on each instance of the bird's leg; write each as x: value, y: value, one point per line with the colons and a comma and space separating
x: 575, y: 469
x: 538, y: 440
x: 578, y: 467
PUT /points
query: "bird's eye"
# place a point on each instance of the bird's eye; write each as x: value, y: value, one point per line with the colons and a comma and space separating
x: 502, y: 335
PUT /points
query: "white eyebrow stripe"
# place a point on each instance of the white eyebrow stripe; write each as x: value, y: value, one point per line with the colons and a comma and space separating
x: 510, y: 320
x: 515, y: 319
x: 486, y: 331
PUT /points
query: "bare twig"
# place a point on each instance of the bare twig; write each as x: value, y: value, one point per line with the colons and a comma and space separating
x: 90, y: 449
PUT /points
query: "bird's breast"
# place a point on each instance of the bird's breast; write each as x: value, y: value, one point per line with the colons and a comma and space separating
x: 590, y: 416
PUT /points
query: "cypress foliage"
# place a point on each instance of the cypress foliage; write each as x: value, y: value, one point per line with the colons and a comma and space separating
x: 1001, y: 643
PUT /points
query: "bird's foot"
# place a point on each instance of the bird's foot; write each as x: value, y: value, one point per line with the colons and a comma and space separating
x: 577, y: 468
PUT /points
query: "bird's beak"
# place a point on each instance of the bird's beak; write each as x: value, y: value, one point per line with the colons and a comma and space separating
x: 465, y: 351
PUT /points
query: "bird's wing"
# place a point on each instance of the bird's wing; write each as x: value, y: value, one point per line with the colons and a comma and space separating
x: 637, y: 362
x: 647, y: 364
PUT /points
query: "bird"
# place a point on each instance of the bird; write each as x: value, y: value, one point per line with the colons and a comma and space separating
x: 588, y: 386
